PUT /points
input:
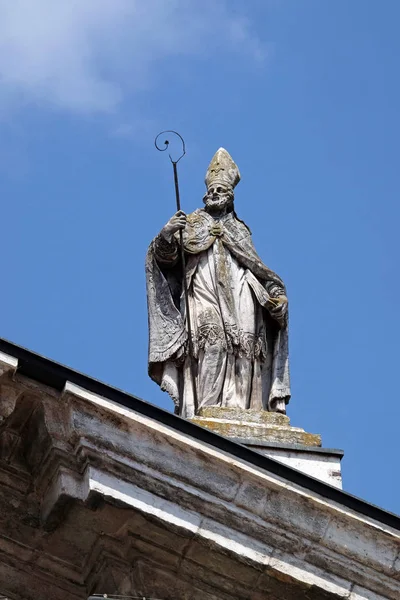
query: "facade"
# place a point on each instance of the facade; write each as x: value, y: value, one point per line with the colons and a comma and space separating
x: 103, y: 493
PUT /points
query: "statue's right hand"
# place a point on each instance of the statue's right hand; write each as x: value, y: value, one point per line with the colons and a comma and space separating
x: 176, y: 222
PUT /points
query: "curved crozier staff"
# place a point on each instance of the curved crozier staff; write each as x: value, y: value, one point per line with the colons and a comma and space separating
x: 182, y: 253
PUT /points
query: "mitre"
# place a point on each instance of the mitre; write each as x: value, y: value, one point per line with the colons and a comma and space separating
x: 222, y: 170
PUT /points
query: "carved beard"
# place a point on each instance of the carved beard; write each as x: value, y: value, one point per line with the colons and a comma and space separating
x: 217, y: 201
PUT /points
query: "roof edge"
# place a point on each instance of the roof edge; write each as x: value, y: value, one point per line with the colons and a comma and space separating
x: 55, y: 375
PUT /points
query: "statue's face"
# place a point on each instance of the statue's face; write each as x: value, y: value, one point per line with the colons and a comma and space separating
x: 218, y: 197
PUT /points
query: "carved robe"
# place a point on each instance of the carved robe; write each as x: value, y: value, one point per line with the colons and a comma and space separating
x: 240, y: 351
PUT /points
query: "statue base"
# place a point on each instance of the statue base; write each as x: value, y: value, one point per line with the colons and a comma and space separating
x: 261, y: 426
x: 272, y: 435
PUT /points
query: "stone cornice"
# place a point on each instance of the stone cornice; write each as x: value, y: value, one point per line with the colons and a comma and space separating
x: 55, y: 376
x: 109, y: 496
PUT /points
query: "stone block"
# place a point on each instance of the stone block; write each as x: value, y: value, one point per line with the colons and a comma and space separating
x: 272, y: 435
x: 321, y: 463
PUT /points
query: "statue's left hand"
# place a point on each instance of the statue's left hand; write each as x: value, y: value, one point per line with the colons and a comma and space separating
x: 279, y: 308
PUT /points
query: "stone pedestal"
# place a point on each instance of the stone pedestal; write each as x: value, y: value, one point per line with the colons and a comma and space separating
x: 272, y: 435
x: 253, y: 425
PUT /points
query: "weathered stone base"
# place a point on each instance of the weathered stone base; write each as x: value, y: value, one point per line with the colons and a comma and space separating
x: 271, y: 434
x: 262, y: 426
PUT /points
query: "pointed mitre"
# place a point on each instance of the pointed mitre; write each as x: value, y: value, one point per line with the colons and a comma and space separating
x: 222, y: 170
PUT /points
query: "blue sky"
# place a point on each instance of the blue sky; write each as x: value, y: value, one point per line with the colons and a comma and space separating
x: 304, y: 94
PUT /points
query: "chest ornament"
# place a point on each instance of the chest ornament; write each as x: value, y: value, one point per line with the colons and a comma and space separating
x: 216, y: 230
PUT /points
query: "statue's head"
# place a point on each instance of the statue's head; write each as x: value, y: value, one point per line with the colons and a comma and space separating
x: 221, y: 178
x: 218, y: 197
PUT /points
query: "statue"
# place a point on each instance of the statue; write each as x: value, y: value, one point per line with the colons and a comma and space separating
x: 238, y: 308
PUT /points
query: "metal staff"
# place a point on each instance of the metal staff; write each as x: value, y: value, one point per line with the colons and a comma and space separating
x: 183, y: 261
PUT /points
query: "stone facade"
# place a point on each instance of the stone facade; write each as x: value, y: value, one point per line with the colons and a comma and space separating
x: 103, y: 493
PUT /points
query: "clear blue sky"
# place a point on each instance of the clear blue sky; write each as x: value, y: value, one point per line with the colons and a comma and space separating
x: 304, y: 94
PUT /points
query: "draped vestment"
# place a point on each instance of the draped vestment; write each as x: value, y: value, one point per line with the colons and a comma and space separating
x: 240, y: 350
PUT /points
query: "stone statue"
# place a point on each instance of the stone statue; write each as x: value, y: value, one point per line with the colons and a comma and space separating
x: 238, y: 308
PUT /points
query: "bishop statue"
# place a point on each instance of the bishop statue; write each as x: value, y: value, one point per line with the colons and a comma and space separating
x: 238, y: 308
